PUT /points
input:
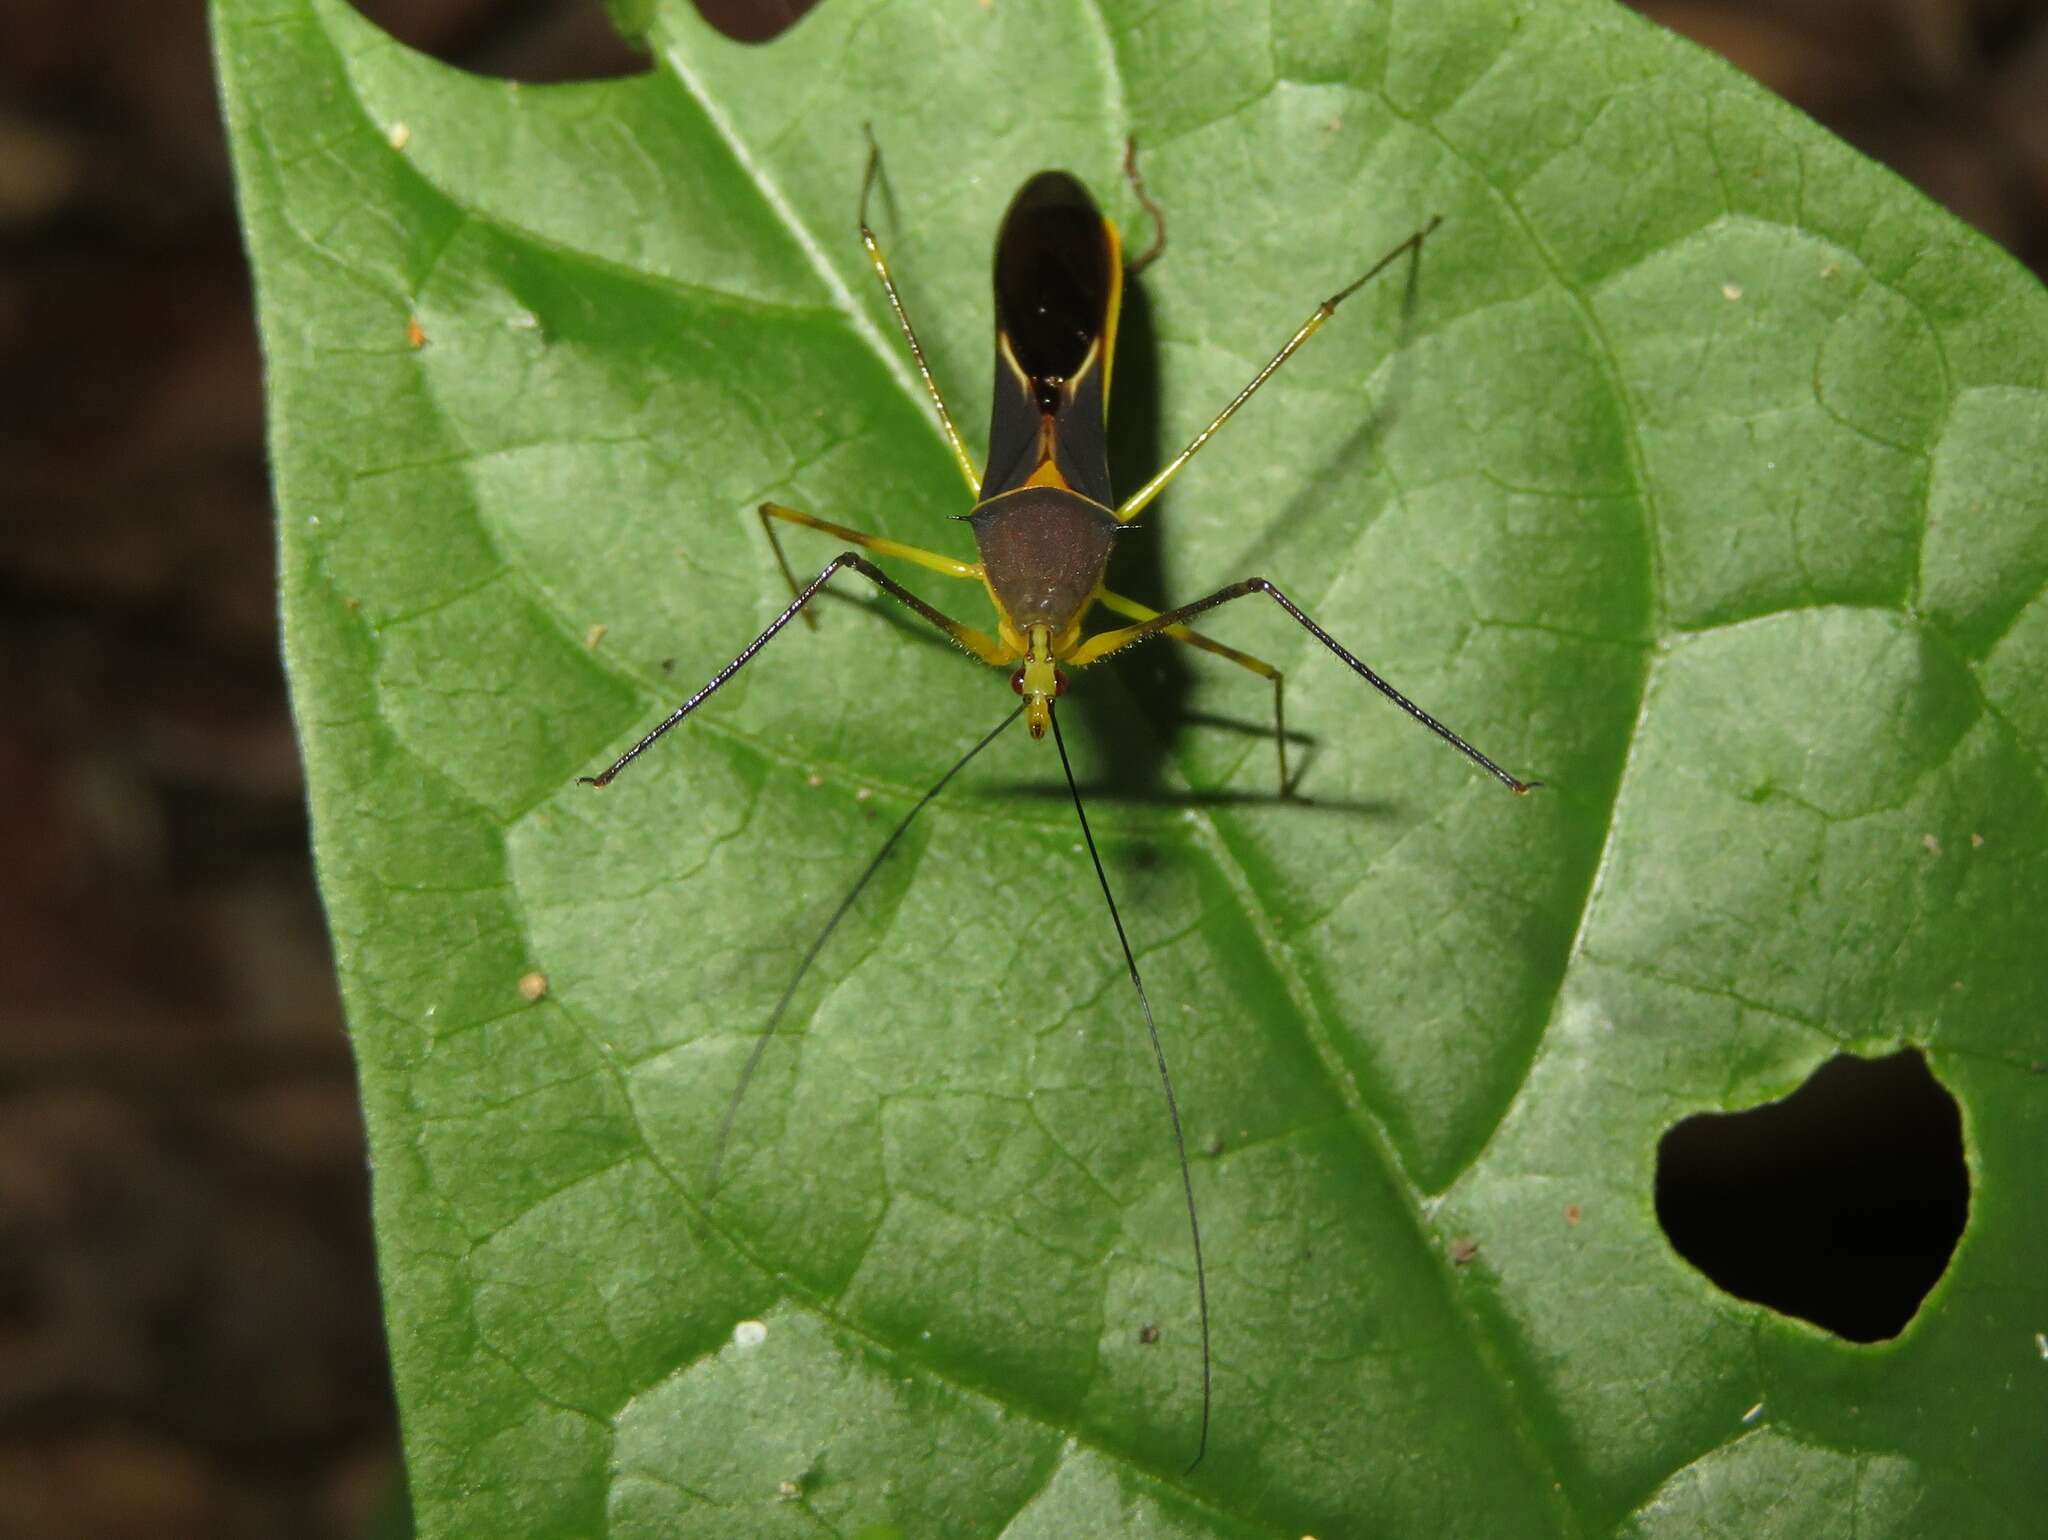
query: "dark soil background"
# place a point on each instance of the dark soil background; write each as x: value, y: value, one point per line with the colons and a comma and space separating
x: 189, y: 1333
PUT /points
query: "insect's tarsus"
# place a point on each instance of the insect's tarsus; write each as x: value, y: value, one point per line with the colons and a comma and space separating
x: 1180, y: 1143
x: 732, y: 1109
x: 1144, y: 259
x: 1329, y: 306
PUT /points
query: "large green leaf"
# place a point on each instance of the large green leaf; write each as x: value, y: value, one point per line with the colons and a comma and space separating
x: 1696, y: 470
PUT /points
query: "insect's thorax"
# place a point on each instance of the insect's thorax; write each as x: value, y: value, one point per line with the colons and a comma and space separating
x: 1040, y: 419
x: 1043, y: 551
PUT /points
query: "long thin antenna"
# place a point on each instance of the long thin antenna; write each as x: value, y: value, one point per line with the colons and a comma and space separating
x: 1180, y: 1143
x: 732, y: 1110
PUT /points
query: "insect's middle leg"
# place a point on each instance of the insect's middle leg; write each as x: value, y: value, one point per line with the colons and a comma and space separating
x: 770, y: 512
x: 1133, y: 610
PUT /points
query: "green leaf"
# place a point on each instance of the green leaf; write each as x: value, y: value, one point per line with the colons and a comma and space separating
x: 1697, y: 470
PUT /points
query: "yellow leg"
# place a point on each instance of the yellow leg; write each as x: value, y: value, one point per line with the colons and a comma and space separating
x: 1133, y: 610
x: 980, y: 643
x: 924, y: 372
x: 932, y: 559
x: 1138, y: 500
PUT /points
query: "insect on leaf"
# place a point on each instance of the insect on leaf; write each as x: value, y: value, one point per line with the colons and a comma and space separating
x: 1694, y: 469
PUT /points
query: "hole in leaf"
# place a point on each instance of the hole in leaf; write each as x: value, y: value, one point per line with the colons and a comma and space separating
x: 1840, y: 1204
x: 536, y: 41
x: 753, y: 21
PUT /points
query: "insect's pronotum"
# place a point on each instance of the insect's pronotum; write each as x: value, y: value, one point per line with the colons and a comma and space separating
x: 1044, y: 520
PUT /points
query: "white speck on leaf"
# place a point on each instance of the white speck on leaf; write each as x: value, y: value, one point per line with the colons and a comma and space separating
x: 749, y: 1334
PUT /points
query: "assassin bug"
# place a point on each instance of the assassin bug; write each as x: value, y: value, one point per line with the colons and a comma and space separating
x: 1044, y: 521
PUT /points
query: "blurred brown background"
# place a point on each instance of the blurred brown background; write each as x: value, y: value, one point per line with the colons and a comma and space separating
x: 189, y: 1339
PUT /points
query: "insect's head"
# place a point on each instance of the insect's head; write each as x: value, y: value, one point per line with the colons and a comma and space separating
x: 1038, y: 680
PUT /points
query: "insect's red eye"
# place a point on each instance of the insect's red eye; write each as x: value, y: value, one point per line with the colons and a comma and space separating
x: 1059, y: 682
x: 1017, y: 681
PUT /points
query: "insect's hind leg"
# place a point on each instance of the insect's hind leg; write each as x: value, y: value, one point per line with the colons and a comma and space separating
x: 1133, y: 610
x: 1130, y: 507
x: 1144, y: 259
x: 770, y: 512
x: 873, y: 248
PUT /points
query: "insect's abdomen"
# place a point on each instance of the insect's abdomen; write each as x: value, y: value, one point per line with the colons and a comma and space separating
x: 1044, y: 551
x: 1056, y: 276
x: 1059, y: 283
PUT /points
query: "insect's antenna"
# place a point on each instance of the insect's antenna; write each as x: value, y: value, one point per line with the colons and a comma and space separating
x: 732, y: 1109
x: 1180, y: 1143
